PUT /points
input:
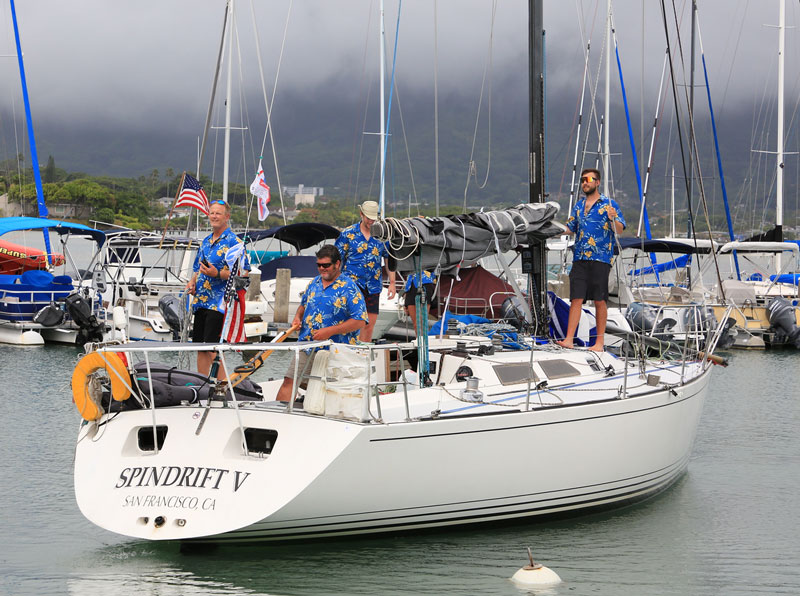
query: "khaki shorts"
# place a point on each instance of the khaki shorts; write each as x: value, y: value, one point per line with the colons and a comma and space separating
x: 302, y: 357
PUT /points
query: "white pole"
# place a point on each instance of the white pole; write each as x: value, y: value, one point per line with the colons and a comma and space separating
x: 779, y: 180
x: 606, y: 118
x: 672, y: 206
x: 226, y: 161
x: 781, y: 52
x: 382, y: 54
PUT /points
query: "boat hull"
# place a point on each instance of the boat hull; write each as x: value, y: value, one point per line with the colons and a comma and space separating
x: 327, y: 478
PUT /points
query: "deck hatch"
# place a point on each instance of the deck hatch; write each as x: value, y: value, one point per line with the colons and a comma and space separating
x: 513, y: 374
x: 558, y: 369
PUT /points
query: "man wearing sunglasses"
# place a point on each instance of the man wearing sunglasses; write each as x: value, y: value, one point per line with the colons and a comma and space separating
x: 362, y: 256
x: 211, y: 273
x: 594, y: 221
x: 332, y: 308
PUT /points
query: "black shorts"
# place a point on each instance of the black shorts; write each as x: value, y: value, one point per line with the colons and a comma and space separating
x: 207, y: 327
x: 411, y: 295
x: 372, y: 301
x: 588, y: 280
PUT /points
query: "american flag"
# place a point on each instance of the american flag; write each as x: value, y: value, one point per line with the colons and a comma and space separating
x: 233, y: 328
x: 192, y: 195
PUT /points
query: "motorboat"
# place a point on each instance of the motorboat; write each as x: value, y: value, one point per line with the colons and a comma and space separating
x: 146, y: 273
x: 56, y: 305
x: 765, y: 301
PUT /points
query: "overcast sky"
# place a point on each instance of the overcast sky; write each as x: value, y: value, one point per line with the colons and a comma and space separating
x: 149, y: 63
x: 131, y: 60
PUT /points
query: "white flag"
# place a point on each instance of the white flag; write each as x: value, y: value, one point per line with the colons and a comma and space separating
x: 260, y: 190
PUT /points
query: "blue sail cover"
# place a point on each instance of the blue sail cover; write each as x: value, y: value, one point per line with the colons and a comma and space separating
x: 680, y: 262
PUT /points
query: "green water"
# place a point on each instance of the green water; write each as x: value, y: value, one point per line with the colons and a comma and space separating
x: 730, y: 526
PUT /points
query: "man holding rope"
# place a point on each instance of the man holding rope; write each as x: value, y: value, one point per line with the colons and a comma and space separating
x: 594, y: 221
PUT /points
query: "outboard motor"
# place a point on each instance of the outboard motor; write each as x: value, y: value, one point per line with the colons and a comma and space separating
x: 79, y: 309
x: 514, y: 312
x: 780, y: 314
x: 174, y: 314
x: 50, y: 316
x: 642, y: 317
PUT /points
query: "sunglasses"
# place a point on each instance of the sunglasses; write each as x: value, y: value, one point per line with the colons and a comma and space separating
x: 588, y: 179
x: 218, y: 202
x: 324, y: 265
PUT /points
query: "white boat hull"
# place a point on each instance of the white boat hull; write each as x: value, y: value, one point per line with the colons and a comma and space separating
x: 327, y: 477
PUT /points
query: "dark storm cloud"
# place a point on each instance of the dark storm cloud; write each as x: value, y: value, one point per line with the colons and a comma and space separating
x: 134, y: 62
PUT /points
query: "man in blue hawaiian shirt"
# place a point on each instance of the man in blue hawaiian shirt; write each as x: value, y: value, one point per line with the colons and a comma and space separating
x: 594, y: 221
x: 211, y: 272
x: 332, y: 308
x: 362, y: 256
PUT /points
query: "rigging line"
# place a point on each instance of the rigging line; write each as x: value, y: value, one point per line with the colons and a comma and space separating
x: 213, y: 91
x: 269, y: 103
x: 716, y: 147
x: 358, y: 136
x: 578, y: 133
x: 405, y: 144
x: 630, y: 136
x: 487, y: 70
x: 367, y: 102
x: 436, y: 101
x: 244, y: 115
x: 382, y: 207
x: 651, y: 157
x: 693, y: 140
x: 675, y: 100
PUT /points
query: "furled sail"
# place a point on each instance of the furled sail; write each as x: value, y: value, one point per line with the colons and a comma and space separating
x: 464, y: 239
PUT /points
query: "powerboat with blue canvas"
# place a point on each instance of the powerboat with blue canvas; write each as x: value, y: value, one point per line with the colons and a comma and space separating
x: 57, y: 305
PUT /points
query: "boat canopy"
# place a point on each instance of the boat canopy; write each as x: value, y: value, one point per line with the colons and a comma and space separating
x: 462, y: 240
x: 18, y: 224
x: 762, y: 247
x: 299, y: 235
x: 682, y: 246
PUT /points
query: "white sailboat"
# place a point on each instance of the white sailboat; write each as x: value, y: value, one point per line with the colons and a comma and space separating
x: 496, y: 433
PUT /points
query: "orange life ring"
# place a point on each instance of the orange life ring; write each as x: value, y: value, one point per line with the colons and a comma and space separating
x: 89, y: 407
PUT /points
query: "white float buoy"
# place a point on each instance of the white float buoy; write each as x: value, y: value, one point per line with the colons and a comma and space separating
x: 535, y: 574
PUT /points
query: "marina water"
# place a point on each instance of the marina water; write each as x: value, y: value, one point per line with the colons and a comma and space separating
x: 730, y: 526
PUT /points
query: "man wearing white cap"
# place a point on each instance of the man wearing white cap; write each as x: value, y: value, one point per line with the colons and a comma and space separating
x: 363, y: 256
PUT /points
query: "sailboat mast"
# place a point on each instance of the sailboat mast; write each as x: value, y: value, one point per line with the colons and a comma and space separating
x: 691, y: 120
x: 607, y: 109
x: 779, y: 179
x: 536, y: 267
x: 227, y: 156
x: 382, y: 54
x: 37, y: 175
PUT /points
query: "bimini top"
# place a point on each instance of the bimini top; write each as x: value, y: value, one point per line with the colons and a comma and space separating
x: 682, y: 246
x: 763, y: 247
x: 18, y: 224
x: 299, y: 235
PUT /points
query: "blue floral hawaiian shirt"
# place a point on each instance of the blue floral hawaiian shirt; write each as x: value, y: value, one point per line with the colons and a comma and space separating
x: 324, y: 307
x: 361, y: 258
x: 594, y: 234
x: 413, y: 280
x: 210, y: 291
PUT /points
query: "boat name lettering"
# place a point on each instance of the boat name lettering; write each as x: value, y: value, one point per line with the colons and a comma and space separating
x: 188, y: 476
x: 171, y: 502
